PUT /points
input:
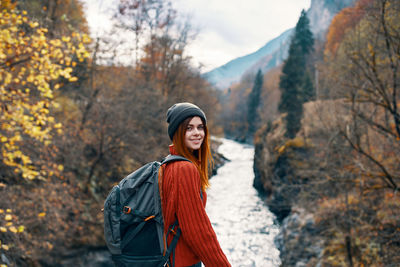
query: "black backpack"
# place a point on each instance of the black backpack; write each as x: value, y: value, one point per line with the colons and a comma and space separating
x: 133, y: 221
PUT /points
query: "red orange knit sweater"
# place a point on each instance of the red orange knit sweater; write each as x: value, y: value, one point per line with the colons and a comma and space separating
x: 181, y: 199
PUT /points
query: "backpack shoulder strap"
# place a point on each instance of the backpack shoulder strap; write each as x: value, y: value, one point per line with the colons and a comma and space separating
x: 171, y: 158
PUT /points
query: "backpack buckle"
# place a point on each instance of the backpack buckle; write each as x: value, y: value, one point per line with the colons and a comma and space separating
x: 126, y: 210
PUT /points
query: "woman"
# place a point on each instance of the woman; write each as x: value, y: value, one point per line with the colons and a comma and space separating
x: 183, y: 185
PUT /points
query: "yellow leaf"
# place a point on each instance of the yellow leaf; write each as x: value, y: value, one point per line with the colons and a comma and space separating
x: 65, y: 39
x: 281, y: 149
x: 42, y: 214
x: 1, y: 211
x: 3, y: 229
x: 5, y: 247
x: 8, y: 217
x: 33, y: 25
x: 86, y: 38
x: 60, y: 168
x: 9, y: 210
x: 4, y: 139
x: 21, y: 229
x: 13, y: 229
x: 73, y: 79
x: 47, y: 142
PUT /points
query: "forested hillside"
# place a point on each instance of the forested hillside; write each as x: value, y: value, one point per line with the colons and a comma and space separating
x: 73, y: 121
x: 329, y: 161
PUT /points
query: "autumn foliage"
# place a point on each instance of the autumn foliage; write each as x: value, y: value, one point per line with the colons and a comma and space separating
x: 366, y: 71
x: 343, y: 22
x: 32, y: 68
x: 337, y: 181
x: 31, y: 64
x: 71, y: 126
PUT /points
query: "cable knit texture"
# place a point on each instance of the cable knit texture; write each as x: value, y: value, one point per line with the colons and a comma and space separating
x: 181, y: 199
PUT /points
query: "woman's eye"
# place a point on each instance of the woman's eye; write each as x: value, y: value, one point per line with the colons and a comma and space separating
x: 191, y: 128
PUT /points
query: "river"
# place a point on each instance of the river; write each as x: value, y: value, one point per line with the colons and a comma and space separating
x: 244, y: 225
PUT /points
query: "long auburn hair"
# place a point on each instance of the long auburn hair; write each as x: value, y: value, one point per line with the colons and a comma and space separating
x: 202, y: 157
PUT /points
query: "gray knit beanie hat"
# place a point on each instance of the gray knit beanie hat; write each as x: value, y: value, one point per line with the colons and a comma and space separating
x: 179, y: 112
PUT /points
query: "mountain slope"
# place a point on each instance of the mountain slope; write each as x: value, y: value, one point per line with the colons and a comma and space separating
x: 231, y: 72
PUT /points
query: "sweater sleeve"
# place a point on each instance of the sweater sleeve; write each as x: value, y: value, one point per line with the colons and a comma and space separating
x: 193, y: 220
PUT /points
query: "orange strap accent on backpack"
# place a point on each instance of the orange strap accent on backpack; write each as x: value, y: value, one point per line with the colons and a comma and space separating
x: 149, y: 218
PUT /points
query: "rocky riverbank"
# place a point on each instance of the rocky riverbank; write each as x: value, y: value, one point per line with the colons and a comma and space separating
x: 283, y: 169
x: 331, y: 213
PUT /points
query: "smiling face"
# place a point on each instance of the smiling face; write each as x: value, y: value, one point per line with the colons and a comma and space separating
x: 194, y: 134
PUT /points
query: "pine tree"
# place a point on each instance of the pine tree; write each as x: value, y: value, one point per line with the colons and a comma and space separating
x: 295, y: 82
x: 253, y: 102
x: 307, y: 88
x: 303, y: 35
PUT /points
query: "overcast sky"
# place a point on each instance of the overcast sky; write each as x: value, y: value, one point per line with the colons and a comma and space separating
x: 227, y: 28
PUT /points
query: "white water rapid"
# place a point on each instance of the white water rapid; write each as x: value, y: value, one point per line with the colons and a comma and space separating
x: 242, y: 222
